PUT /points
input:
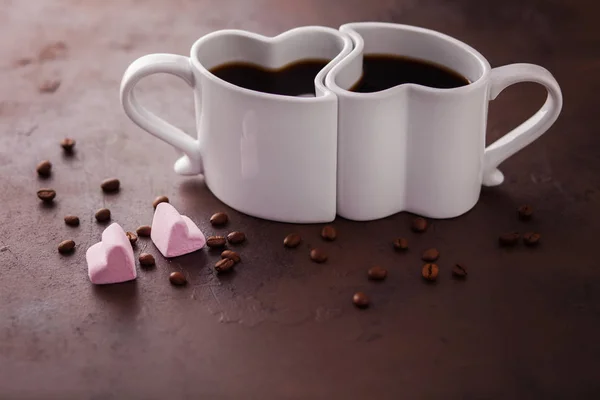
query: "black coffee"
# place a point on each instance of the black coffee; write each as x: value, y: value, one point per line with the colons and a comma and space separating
x: 295, y: 79
x: 383, y: 71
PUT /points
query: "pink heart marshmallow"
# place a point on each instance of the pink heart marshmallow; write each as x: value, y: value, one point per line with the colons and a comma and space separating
x: 111, y: 260
x: 175, y: 234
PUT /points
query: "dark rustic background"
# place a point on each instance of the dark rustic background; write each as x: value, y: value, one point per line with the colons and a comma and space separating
x: 524, y: 325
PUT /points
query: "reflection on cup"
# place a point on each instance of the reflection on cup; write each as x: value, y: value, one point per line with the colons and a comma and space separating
x: 248, y: 145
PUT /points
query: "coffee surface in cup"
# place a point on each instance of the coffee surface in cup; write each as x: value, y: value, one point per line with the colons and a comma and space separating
x: 295, y: 79
x: 383, y: 71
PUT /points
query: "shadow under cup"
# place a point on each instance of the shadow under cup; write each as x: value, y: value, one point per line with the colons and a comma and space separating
x: 269, y: 155
x: 410, y: 147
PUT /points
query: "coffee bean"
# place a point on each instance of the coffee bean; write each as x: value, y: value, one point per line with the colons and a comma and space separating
x: 216, y: 241
x: 147, y: 260
x: 377, y: 273
x: 132, y: 237
x: 67, y: 144
x: 236, y: 237
x: 292, y: 240
x: 219, y: 218
x: 531, y: 238
x: 44, y: 169
x: 144, y: 231
x: 430, y: 272
x: 509, y: 238
x: 318, y: 255
x: 430, y: 255
x: 419, y: 224
x: 360, y: 300
x: 103, y: 215
x: 232, y: 255
x: 224, y: 265
x: 160, y: 199
x: 46, y: 195
x: 401, y: 244
x: 525, y: 212
x: 72, y: 220
x: 328, y: 233
x: 177, y: 279
x: 66, y: 246
x: 110, y: 185
x: 459, y: 271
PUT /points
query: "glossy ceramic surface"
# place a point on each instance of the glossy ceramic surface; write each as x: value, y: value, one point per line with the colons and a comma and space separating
x: 421, y: 149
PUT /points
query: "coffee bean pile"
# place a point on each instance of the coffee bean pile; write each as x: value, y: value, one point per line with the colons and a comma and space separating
x: 229, y: 258
x: 511, y: 239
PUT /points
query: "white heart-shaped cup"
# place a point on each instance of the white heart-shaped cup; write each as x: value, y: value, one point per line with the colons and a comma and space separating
x: 422, y: 149
x: 268, y: 155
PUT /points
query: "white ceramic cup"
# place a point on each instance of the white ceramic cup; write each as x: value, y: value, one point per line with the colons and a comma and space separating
x: 266, y: 155
x: 420, y: 149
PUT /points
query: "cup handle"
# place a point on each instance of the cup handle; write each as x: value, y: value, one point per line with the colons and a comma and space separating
x: 190, y: 163
x: 528, y: 131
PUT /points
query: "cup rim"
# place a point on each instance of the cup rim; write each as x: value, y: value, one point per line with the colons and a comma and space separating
x: 319, y: 79
x: 358, y: 49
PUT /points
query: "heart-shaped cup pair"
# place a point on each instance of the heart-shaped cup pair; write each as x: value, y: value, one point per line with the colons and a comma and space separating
x: 363, y: 156
x: 112, y: 259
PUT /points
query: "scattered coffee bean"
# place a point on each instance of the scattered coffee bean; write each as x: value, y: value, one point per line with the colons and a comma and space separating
x: 236, y: 237
x: 160, y: 199
x: 46, y: 195
x: 44, y: 168
x: 430, y: 272
x: 67, y: 144
x: 531, y: 238
x: 328, y: 233
x: 360, y: 300
x: 401, y: 244
x: 430, y: 255
x: 525, y: 212
x: 318, y: 255
x: 144, y: 231
x: 66, y: 246
x: 49, y: 86
x: 177, y: 279
x: 377, y: 273
x: 419, y: 224
x: 292, y: 240
x: 103, y: 215
x: 110, y: 185
x: 219, y: 218
x: 232, y: 255
x: 216, y: 241
x: 459, y: 271
x: 147, y: 260
x: 509, y: 238
x: 72, y: 220
x: 132, y: 238
x: 224, y: 265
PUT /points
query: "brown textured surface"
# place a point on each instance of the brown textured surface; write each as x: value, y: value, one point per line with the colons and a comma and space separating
x: 525, y: 324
